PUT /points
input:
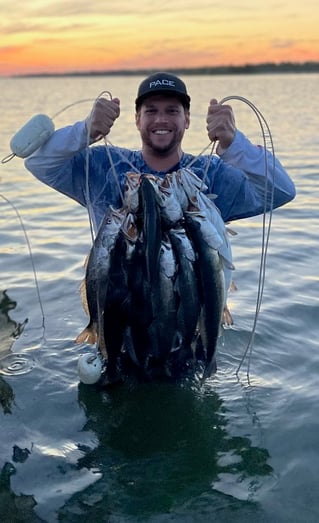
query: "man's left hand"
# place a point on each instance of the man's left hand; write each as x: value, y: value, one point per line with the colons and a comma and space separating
x: 220, y: 124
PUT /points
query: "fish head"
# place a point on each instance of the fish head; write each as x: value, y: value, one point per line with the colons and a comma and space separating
x: 188, y: 176
x: 129, y: 228
x: 113, y: 220
x: 132, y: 183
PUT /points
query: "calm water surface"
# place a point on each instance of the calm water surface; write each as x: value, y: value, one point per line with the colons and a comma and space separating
x: 231, y: 450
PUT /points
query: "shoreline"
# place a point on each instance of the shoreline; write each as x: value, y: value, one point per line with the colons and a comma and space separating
x: 262, y: 68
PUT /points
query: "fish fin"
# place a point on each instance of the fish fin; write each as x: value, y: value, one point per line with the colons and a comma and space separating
x: 88, y: 335
x: 227, y: 318
x: 233, y: 287
x: 227, y: 263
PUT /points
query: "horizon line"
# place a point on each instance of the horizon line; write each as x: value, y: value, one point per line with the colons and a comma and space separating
x: 264, y: 67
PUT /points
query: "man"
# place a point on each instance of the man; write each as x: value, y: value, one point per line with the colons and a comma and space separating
x: 88, y: 175
x: 236, y: 174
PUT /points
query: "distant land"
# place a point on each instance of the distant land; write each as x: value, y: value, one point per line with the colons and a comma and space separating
x: 263, y: 68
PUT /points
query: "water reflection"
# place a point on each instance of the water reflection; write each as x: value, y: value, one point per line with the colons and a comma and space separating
x: 159, y: 446
x: 11, y: 364
x: 13, y: 507
x: 9, y: 331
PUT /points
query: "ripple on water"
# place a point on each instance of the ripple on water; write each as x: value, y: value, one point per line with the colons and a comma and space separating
x: 16, y: 364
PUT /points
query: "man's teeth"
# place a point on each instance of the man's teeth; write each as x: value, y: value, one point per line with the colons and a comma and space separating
x: 161, y: 131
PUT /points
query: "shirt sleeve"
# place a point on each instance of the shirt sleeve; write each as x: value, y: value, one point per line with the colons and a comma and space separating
x: 62, y: 145
x: 250, y: 180
x: 82, y: 173
x: 237, y: 177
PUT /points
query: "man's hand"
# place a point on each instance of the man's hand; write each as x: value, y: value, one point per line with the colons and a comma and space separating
x: 220, y: 124
x: 102, y: 117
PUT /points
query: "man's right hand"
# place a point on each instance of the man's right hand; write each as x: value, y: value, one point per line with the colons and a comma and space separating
x: 102, y: 117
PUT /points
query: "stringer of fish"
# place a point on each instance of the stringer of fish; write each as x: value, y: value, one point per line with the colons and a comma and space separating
x: 157, y: 278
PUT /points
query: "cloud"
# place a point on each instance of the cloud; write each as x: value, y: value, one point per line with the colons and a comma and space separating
x: 11, y: 50
x: 282, y: 44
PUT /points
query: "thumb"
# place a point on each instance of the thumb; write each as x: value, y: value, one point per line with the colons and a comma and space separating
x: 212, y: 104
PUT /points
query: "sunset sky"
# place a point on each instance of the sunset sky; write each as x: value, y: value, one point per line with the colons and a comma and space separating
x: 92, y: 35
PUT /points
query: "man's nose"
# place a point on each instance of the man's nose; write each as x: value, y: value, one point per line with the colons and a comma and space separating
x: 161, y: 116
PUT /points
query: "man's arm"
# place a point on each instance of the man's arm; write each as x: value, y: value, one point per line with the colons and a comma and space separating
x: 253, y: 161
x: 66, y: 142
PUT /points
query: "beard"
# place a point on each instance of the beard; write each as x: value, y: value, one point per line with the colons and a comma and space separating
x: 162, y: 149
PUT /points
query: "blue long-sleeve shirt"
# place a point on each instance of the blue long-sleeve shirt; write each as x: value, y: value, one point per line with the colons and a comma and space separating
x: 87, y: 174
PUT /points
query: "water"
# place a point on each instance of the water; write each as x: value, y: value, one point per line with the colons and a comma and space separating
x: 232, y: 450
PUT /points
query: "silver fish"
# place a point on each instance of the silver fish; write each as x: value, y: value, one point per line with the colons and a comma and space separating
x: 212, y: 289
x: 163, y: 327
x: 186, y: 286
x: 217, y: 236
x: 152, y: 325
x: 213, y: 215
x: 141, y: 308
x: 174, y: 180
x: 116, y: 308
x: 143, y: 274
x: 97, y: 275
x: 170, y: 206
x: 151, y: 228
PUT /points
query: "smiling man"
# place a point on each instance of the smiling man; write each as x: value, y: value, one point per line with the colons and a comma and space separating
x: 235, y: 174
x: 162, y: 116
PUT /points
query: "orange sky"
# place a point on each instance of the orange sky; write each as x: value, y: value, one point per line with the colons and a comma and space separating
x: 65, y: 35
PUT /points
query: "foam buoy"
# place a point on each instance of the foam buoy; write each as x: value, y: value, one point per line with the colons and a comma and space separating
x: 89, y: 368
x: 32, y: 135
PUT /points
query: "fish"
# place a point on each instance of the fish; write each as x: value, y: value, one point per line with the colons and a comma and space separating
x: 141, y: 310
x: 186, y: 287
x: 116, y: 309
x: 176, y: 185
x: 211, y: 287
x: 96, y: 277
x: 163, y: 326
x: 117, y: 304
x: 197, y: 203
x: 213, y: 215
x: 150, y: 285
x: 170, y: 207
x: 143, y: 271
x: 201, y: 202
x: 156, y: 279
x: 151, y: 227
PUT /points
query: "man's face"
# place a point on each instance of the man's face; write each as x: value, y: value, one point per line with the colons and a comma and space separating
x: 162, y: 122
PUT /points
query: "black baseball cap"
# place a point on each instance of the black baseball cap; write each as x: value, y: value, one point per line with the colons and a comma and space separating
x: 162, y: 83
